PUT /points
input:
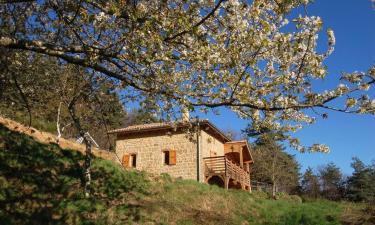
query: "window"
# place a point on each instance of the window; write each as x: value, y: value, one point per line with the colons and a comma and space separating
x: 166, y: 157
x: 133, y: 160
x: 169, y: 157
x: 129, y: 160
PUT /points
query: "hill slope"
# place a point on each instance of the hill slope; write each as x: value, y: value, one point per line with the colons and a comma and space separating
x: 42, y: 184
x: 47, y: 138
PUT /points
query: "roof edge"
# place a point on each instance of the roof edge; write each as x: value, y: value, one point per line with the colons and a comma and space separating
x: 169, y: 125
x: 247, y: 146
x: 224, y: 136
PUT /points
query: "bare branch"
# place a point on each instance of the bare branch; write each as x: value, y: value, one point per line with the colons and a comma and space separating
x: 23, y: 96
x: 66, y: 54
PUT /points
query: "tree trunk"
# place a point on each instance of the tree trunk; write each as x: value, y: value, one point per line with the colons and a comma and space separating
x: 88, y: 157
x: 87, y: 166
x: 58, y: 123
x: 273, y: 176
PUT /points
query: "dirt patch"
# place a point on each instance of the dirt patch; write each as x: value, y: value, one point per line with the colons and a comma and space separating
x: 48, y: 138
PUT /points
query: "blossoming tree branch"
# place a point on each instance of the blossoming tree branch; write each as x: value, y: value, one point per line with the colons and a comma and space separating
x: 249, y: 56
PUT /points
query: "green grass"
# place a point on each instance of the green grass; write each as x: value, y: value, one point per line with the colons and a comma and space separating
x: 42, y: 184
x: 210, y: 204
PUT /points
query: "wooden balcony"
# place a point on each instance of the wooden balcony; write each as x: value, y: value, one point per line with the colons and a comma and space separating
x: 224, y: 172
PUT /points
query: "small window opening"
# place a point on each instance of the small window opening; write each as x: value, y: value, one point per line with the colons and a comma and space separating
x: 169, y: 157
x: 133, y: 160
x: 166, y: 157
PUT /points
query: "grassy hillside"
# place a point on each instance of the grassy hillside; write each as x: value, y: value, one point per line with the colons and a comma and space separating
x: 42, y: 184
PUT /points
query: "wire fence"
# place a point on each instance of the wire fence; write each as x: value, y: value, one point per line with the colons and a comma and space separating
x: 267, y: 187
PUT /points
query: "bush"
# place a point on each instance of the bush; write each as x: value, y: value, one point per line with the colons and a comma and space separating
x: 260, y: 194
x: 42, y: 182
x: 112, y: 180
x: 287, y: 197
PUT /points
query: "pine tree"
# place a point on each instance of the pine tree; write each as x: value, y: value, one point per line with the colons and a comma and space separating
x: 360, y: 186
x: 331, y: 182
x: 310, y: 184
x: 273, y: 165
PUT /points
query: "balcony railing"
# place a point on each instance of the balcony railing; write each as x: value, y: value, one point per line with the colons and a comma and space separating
x: 222, y: 166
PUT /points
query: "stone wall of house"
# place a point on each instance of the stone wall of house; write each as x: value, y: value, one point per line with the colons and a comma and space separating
x: 149, y: 149
x: 209, y: 147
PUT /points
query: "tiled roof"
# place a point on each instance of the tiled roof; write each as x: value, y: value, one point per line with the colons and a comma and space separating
x: 141, y: 127
x: 167, y: 125
x: 239, y: 141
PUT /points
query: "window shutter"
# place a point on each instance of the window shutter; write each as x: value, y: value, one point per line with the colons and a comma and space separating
x: 125, y: 160
x: 172, y: 157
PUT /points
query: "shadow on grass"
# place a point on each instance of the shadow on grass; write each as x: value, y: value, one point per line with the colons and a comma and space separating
x: 42, y: 184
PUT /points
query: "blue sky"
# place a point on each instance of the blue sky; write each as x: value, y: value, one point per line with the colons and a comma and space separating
x: 353, y: 22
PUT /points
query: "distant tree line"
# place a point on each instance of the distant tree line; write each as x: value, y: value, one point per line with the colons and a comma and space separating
x: 329, y: 182
x: 281, y: 171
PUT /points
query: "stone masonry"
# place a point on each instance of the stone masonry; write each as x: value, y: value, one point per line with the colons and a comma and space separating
x: 149, y: 149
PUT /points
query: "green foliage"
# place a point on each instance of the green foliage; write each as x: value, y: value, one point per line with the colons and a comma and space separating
x: 361, y: 183
x: 329, y: 183
x: 140, y: 116
x: 44, y: 183
x: 273, y: 165
x: 49, y: 87
x: 310, y: 184
x: 285, y: 196
x: 118, y: 182
x: 332, y: 182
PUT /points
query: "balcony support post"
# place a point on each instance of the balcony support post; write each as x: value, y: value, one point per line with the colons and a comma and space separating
x: 226, y: 182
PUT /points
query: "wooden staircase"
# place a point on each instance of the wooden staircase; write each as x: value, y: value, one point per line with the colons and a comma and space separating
x: 229, y: 171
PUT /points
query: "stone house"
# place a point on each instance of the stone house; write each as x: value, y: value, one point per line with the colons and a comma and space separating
x: 186, y: 149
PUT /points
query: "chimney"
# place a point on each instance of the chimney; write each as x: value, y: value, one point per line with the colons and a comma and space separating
x: 185, y: 115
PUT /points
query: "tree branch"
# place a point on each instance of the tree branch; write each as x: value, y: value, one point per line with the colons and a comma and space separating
x: 23, y: 96
x: 15, y: 1
x: 234, y: 103
x: 66, y: 54
x: 197, y: 24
